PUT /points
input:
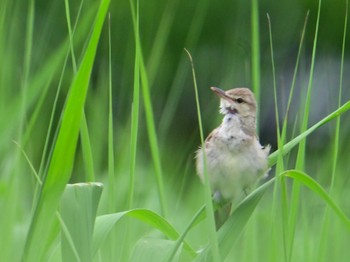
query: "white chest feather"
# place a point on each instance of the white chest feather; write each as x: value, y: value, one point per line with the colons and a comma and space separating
x: 235, y: 160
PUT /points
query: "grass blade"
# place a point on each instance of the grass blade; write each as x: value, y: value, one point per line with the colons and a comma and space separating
x: 335, y: 153
x: 208, y: 200
x: 199, y: 216
x: 320, y: 191
x: 134, y: 113
x: 152, y: 134
x: 287, y: 147
x: 255, y: 54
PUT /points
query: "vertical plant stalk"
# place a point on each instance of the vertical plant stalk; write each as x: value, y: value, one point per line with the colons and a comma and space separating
x: 110, y: 125
x: 280, y: 165
x: 337, y: 128
x: 70, y: 34
x: 134, y: 110
x: 281, y: 139
x: 44, y: 155
x: 111, y: 177
x: 152, y: 134
x: 256, y: 55
x: 326, y: 218
x: 84, y: 130
x: 209, y: 204
x: 300, y: 162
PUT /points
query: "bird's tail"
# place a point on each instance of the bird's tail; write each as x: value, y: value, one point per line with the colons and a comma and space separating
x: 221, y: 214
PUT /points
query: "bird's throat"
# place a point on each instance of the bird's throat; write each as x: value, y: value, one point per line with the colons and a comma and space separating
x: 231, y: 110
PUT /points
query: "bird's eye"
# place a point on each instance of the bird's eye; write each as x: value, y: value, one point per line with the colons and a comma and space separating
x: 240, y: 100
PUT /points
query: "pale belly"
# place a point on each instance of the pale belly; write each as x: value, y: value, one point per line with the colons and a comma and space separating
x: 233, y: 173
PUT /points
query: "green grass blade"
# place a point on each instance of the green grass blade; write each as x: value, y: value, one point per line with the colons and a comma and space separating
x: 151, y: 129
x: 67, y: 238
x: 60, y: 53
x: 35, y: 173
x: 280, y: 142
x: 295, y: 73
x: 63, y: 155
x: 300, y: 161
x: 337, y: 125
x: 87, y: 151
x: 111, y: 177
x: 111, y: 165
x: 70, y: 34
x: 134, y: 113
x: 255, y: 52
x: 318, y: 190
x: 105, y: 223
x: 229, y: 233
x: 326, y: 220
x: 79, y: 205
x: 28, y: 52
x: 305, y: 120
x: 208, y: 199
x: 287, y: 147
x: 84, y: 131
x: 199, y: 216
x: 152, y: 136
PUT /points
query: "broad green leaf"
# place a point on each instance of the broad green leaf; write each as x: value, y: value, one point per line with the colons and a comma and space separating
x: 319, y: 190
x: 105, y: 223
x: 157, y: 249
x: 78, y: 210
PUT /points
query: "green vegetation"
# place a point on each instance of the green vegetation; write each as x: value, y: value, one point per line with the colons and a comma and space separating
x: 103, y: 104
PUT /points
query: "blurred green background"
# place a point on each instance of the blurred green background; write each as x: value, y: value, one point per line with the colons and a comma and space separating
x: 218, y: 35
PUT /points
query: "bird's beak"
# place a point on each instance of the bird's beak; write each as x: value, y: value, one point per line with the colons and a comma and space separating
x: 221, y: 93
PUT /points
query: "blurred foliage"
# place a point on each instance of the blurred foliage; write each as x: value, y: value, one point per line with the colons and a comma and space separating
x: 217, y: 35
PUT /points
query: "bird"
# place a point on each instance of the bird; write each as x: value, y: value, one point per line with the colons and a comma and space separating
x: 235, y: 159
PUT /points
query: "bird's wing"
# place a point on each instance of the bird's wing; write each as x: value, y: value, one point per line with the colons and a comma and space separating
x: 211, y: 135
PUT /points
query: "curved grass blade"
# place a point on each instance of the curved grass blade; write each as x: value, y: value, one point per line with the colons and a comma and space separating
x: 287, y: 147
x: 209, y: 204
x: 105, y: 223
x: 61, y: 164
x: 199, y: 216
x: 319, y: 190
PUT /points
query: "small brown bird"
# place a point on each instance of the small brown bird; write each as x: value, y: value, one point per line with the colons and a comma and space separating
x: 235, y: 159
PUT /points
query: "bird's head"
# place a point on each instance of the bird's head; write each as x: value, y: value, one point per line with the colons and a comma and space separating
x: 236, y: 101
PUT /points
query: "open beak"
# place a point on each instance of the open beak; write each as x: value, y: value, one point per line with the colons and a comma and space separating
x: 221, y: 93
